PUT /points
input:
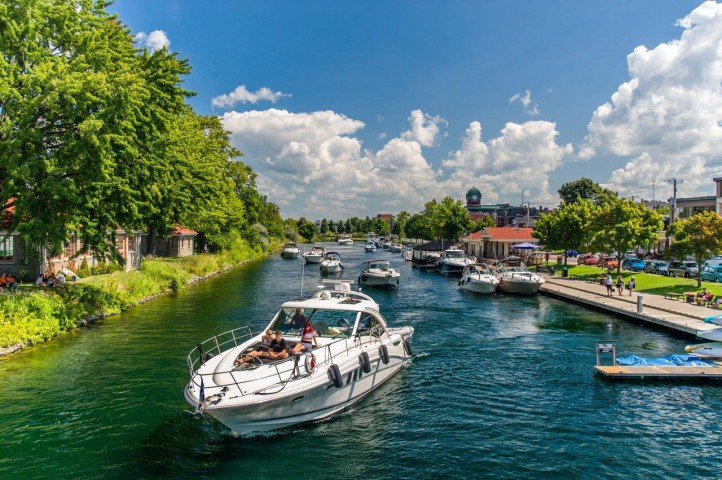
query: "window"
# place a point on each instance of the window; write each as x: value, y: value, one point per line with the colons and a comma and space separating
x: 7, y: 249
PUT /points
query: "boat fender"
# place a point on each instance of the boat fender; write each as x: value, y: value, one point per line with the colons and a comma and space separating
x: 310, y: 363
x: 384, y: 354
x: 407, y: 348
x: 365, y: 362
x: 334, y: 374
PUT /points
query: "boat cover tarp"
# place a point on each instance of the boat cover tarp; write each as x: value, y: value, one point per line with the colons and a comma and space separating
x: 667, y: 360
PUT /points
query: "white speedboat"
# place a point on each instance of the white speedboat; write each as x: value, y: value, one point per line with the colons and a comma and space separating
x: 290, y: 250
x: 369, y: 247
x: 331, y: 263
x: 514, y: 277
x: 315, y: 255
x: 356, y: 353
x: 345, y: 240
x: 453, y: 261
x: 378, y: 273
x: 478, y: 278
x: 396, y: 248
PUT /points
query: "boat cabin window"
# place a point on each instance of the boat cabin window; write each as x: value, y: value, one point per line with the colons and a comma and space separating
x: 369, y: 325
x: 454, y: 254
x: 379, y: 265
x: 326, y: 323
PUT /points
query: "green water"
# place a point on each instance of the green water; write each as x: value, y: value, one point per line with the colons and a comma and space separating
x: 501, y: 387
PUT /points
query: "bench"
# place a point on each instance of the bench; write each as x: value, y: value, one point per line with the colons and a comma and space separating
x: 674, y: 296
x: 575, y: 277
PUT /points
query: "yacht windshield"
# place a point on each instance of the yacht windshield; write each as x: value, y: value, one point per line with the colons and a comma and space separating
x: 379, y: 265
x: 454, y: 254
x: 326, y: 323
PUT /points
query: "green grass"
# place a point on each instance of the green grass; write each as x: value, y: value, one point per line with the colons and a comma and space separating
x: 648, y: 282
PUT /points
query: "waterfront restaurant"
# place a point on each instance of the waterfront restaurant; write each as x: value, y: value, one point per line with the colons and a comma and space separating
x: 496, y: 242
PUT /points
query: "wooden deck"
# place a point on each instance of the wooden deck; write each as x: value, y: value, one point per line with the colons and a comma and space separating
x: 654, y: 372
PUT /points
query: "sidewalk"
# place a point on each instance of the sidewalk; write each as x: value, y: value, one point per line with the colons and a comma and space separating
x: 657, y: 310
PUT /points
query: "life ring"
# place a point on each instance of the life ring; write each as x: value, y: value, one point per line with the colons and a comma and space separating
x: 310, y: 363
x: 384, y: 354
x: 334, y: 374
x: 407, y: 348
x: 365, y: 362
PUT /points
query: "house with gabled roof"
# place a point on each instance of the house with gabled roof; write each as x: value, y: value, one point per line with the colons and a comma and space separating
x: 496, y: 242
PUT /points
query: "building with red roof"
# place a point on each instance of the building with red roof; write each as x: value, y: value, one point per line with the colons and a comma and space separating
x: 496, y: 242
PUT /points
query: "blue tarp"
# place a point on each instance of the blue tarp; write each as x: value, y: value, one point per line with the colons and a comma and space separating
x: 667, y: 360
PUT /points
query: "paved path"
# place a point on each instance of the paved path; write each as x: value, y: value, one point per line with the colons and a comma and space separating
x: 673, y: 314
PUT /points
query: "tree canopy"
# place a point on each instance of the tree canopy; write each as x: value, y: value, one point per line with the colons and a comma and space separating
x: 566, y: 228
x: 585, y: 189
x: 699, y: 235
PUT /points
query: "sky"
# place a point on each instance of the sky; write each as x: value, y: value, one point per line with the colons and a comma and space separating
x: 357, y: 108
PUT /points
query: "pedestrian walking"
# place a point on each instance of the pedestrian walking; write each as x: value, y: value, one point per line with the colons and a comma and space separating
x: 631, y: 285
x: 620, y: 285
x: 608, y: 284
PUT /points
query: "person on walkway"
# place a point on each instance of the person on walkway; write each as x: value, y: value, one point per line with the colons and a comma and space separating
x: 620, y: 285
x: 631, y: 285
x: 608, y: 284
x: 546, y: 257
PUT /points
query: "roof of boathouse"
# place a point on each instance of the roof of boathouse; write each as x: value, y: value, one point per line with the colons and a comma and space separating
x: 435, y: 246
x: 501, y: 234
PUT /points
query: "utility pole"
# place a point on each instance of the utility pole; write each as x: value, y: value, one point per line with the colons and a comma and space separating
x: 673, y: 210
x: 653, y: 193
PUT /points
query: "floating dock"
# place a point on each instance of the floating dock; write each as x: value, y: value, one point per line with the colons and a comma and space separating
x: 648, y: 372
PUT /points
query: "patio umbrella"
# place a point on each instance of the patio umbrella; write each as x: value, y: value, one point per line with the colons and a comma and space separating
x: 525, y: 246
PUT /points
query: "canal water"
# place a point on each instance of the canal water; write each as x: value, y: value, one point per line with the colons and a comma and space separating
x: 500, y: 387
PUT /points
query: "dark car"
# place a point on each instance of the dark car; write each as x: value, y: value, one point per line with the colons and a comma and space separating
x: 660, y: 267
x: 682, y: 269
x: 572, y: 253
x: 634, y: 264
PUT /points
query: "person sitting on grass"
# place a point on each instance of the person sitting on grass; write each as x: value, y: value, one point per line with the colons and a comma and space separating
x: 10, y: 282
x: 699, y: 299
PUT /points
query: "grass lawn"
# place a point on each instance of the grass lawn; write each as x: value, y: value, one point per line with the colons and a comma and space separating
x: 649, y: 282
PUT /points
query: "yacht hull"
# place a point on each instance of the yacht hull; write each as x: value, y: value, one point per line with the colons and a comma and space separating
x: 289, y: 254
x: 313, y: 258
x: 370, y: 280
x: 477, y: 286
x: 520, y: 287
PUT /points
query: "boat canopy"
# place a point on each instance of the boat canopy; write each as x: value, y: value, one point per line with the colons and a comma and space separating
x: 454, y: 253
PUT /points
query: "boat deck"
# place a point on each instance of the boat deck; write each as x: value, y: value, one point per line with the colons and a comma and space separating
x: 618, y: 372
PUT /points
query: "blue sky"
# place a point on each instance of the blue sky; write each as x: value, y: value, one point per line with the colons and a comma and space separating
x: 355, y: 108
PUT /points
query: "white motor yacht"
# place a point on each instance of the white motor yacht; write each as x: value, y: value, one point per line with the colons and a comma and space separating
x: 514, y: 277
x: 478, y: 278
x: 453, y: 261
x: 356, y: 353
x: 378, y: 273
x: 369, y: 247
x: 290, y: 250
x: 396, y: 248
x: 345, y: 240
x: 331, y: 263
x: 315, y: 255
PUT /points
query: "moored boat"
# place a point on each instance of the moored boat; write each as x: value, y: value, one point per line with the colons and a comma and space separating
x: 369, y: 247
x: 514, y: 277
x: 290, y: 250
x: 396, y: 248
x: 452, y: 262
x: 379, y: 273
x: 356, y: 353
x: 315, y: 255
x: 478, y: 278
x: 345, y: 240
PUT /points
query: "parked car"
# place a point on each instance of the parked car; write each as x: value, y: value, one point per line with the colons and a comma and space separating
x: 588, y: 260
x: 608, y: 262
x: 660, y: 267
x: 572, y: 253
x: 682, y: 269
x: 634, y: 264
x: 711, y: 274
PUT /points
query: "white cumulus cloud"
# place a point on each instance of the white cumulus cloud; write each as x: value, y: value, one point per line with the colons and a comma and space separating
x: 666, y: 117
x: 424, y: 128
x: 241, y: 95
x: 525, y: 99
x: 152, y: 41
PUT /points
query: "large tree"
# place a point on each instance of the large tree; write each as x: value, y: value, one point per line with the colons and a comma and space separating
x: 620, y: 224
x: 566, y: 228
x: 400, y: 222
x: 449, y: 218
x: 83, y: 117
x: 699, y: 235
x: 585, y: 189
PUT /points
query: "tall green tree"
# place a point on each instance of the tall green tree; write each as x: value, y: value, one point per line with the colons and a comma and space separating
x: 482, y: 223
x: 620, y: 225
x: 585, y: 189
x: 449, y: 217
x: 307, y: 231
x: 567, y: 228
x: 83, y: 116
x: 400, y: 222
x: 699, y: 235
x: 419, y: 227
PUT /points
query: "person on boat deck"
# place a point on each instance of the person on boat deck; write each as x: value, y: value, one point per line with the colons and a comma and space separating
x: 299, y: 319
x: 308, y: 339
x: 278, y: 347
x: 266, y: 340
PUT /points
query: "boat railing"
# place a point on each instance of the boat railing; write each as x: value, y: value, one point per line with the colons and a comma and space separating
x: 223, y: 341
x: 330, y: 351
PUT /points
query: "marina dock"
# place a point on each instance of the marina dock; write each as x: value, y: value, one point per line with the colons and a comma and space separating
x: 670, y: 314
x: 619, y: 372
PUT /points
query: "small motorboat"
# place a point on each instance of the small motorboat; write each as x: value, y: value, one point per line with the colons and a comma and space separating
x: 331, y: 263
x: 378, y: 273
x: 452, y: 262
x: 356, y: 353
x: 396, y: 248
x: 706, y: 350
x: 369, y: 247
x: 478, y: 278
x: 345, y: 240
x: 290, y: 250
x: 514, y: 277
x: 315, y: 255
